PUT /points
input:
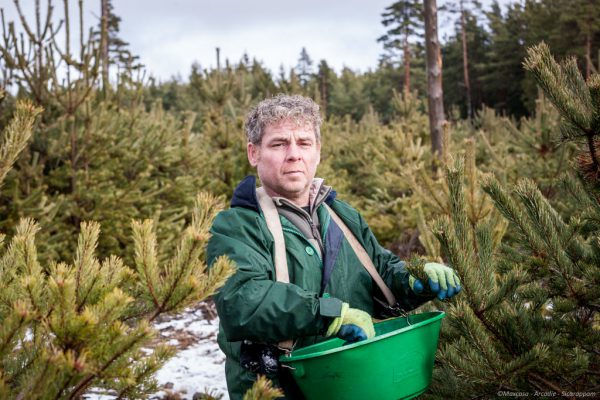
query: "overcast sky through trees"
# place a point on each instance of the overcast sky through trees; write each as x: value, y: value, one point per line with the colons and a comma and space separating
x: 170, y: 35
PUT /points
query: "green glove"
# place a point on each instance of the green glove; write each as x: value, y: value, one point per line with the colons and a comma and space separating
x: 352, y: 325
x: 443, y: 280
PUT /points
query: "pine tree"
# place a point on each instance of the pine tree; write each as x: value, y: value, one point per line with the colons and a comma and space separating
x: 404, y: 20
x: 586, y: 16
x: 528, y: 319
x: 517, y: 149
x: 289, y: 84
x: 304, y: 67
x: 68, y: 326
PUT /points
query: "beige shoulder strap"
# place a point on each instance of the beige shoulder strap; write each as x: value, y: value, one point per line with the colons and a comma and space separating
x: 274, y: 224
x: 362, y: 255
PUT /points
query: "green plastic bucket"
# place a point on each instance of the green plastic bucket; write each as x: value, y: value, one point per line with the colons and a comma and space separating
x: 395, y: 364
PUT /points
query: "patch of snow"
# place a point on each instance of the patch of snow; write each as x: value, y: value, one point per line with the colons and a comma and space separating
x: 199, y: 368
x: 92, y: 395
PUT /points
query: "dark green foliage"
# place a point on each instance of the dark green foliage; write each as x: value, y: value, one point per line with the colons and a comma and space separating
x: 496, y: 46
x: 518, y: 325
x: 528, y: 319
x: 454, y: 88
x: 118, y: 165
x: 347, y: 96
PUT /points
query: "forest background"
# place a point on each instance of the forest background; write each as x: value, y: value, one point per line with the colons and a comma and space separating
x: 511, y: 203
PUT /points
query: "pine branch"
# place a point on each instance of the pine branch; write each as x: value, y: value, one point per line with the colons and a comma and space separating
x: 145, y: 257
x: 34, y: 384
x: 510, y: 211
x: 182, y: 265
x: 263, y: 389
x: 576, y: 84
x: 16, y: 135
x: 460, y: 221
x: 576, y: 100
x: 132, y: 341
x: 12, y: 326
x: 551, y: 76
x: 485, y: 247
x: 85, y: 263
x: 549, y: 224
x: 548, y: 384
x: 146, y: 372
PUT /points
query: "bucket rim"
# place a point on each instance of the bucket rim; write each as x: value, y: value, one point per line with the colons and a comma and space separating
x: 436, y: 315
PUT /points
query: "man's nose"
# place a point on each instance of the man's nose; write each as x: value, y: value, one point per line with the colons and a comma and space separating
x: 293, y: 152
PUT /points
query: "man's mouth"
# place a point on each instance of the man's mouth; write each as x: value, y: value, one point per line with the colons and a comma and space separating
x: 293, y: 172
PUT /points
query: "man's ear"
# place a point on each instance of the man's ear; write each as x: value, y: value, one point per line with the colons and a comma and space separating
x: 253, y: 153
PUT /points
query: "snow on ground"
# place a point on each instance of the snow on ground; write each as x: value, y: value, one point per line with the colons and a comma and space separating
x: 199, y: 367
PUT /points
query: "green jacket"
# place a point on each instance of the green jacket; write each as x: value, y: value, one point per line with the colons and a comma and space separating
x: 253, y: 306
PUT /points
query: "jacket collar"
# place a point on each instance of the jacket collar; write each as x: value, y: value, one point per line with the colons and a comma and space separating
x: 244, y: 194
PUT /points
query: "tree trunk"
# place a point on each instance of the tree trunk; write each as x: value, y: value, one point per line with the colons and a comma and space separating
x: 434, y: 77
x: 104, y: 43
x: 324, y: 94
x: 463, y: 27
x: 406, y: 63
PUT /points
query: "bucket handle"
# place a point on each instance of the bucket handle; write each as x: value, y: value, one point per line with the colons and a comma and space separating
x: 296, y: 371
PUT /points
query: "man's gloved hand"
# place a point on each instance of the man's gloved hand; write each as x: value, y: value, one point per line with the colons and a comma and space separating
x: 353, y: 325
x: 443, y: 280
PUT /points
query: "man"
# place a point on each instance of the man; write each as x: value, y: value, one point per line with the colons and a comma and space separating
x: 329, y: 291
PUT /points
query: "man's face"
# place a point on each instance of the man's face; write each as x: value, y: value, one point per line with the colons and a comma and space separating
x: 286, y: 160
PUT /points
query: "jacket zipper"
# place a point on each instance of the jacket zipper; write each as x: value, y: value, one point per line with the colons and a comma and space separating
x: 316, y: 234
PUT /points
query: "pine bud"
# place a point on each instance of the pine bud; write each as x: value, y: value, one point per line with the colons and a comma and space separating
x: 22, y: 310
x: 79, y: 365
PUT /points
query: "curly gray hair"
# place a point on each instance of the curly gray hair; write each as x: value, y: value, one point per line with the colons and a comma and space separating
x: 282, y: 107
